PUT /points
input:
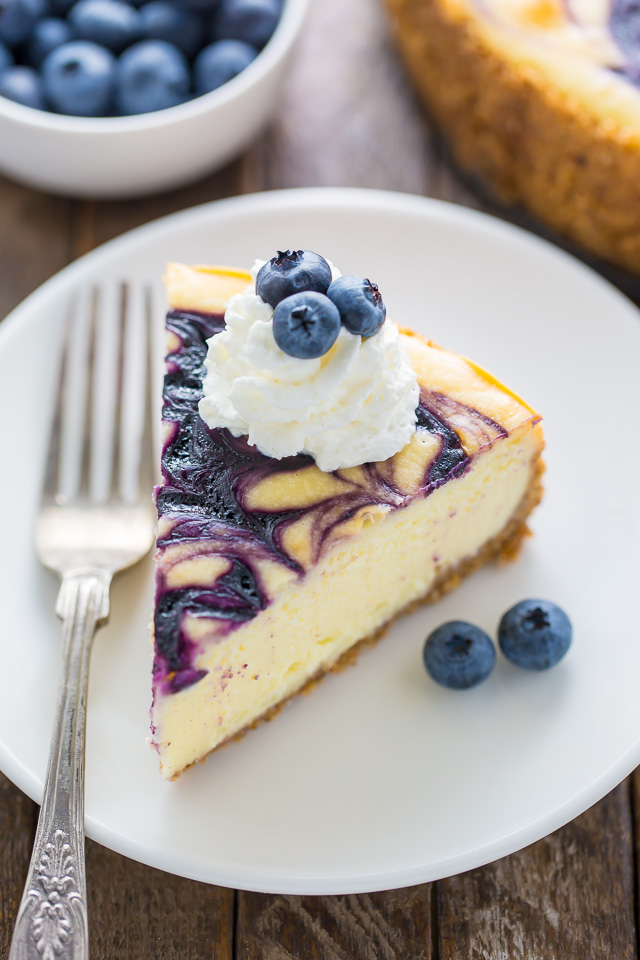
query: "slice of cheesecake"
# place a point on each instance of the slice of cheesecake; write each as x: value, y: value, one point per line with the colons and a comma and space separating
x: 270, y: 571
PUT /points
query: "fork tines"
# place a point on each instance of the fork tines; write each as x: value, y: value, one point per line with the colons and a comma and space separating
x: 101, y: 446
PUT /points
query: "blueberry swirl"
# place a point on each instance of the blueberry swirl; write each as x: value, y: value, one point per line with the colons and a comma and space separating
x: 235, y: 524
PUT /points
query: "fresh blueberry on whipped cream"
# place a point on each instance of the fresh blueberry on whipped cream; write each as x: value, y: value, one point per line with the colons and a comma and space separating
x: 360, y: 304
x: 306, y: 325
x: 292, y: 271
x: 347, y: 400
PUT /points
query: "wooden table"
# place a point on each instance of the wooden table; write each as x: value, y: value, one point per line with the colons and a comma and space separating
x: 348, y: 118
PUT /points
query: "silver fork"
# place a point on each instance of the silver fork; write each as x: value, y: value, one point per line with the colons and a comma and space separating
x: 85, y: 543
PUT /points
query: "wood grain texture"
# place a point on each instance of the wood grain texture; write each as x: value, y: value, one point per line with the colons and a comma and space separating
x: 379, y: 926
x: 347, y: 117
x: 34, y: 241
x: 93, y: 223
x: 17, y: 830
x: 568, y: 896
x: 634, y: 789
x: 137, y: 913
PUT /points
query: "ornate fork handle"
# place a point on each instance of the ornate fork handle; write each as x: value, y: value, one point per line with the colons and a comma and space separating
x: 52, y: 919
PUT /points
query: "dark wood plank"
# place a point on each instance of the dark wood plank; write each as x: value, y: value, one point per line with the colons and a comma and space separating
x: 134, y: 911
x: 93, y: 223
x: 347, y: 116
x: 137, y: 913
x: 378, y: 926
x: 17, y: 829
x: 568, y: 896
x: 634, y: 782
x: 34, y: 241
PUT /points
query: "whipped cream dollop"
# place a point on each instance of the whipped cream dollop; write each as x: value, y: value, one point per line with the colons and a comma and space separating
x: 353, y: 405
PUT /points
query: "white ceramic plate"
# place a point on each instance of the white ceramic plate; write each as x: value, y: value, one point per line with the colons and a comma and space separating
x: 379, y: 778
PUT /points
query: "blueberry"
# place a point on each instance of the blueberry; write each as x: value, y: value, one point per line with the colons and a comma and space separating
x: 166, y: 20
x: 23, y: 85
x: 110, y: 23
x: 459, y: 655
x: 360, y: 304
x: 60, y: 8
x: 203, y: 6
x: 18, y: 18
x: 291, y: 271
x: 79, y: 79
x: 46, y: 36
x: 535, y: 634
x: 220, y: 62
x: 151, y: 75
x: 250, y: 20
x: 306, y: 325
x: 6, y: 57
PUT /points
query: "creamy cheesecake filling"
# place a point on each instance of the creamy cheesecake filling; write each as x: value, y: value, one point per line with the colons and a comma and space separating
x: 236, y: 526
x: 396, y: 559
x: 604, y: 33
x: 269, y: 571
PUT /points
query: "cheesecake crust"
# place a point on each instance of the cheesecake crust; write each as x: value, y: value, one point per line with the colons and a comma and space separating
x: 503, y: 548
x: 531, y: 143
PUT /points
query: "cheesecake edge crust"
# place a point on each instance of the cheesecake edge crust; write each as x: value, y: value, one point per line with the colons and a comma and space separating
x: 527, y: 141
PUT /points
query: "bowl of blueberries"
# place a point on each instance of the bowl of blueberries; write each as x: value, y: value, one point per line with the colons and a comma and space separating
x: 118, y: 98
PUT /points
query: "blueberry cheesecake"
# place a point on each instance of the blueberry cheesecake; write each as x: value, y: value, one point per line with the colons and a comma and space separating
x: 540, y: 101
x: 322, y: 471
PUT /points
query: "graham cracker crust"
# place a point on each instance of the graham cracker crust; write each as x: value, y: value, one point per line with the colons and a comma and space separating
x: 511, y: 129
x: 503, y: 548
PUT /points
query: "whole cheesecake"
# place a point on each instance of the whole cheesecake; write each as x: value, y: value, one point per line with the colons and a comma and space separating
x: 540, y: 100
x: 271, y: 570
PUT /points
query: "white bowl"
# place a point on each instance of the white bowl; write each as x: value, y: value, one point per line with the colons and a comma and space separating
x: 130, y: 156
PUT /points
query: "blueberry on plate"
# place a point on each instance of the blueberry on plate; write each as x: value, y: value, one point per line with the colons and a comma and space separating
x: 47, y: 34
x: 151, y: 75
x: 292, y: 271
x: 18, y: 18
x: 79, y: 79
x: 250, y: 20
x: 306, y: 325
x: 535, y: 634
x: 110, y: 23
x: 6, y: 57
x: 360, y: 304
x: 23, y: 85
x: 220, y: 62
x: 170, y: 21
x: 459, y: 655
